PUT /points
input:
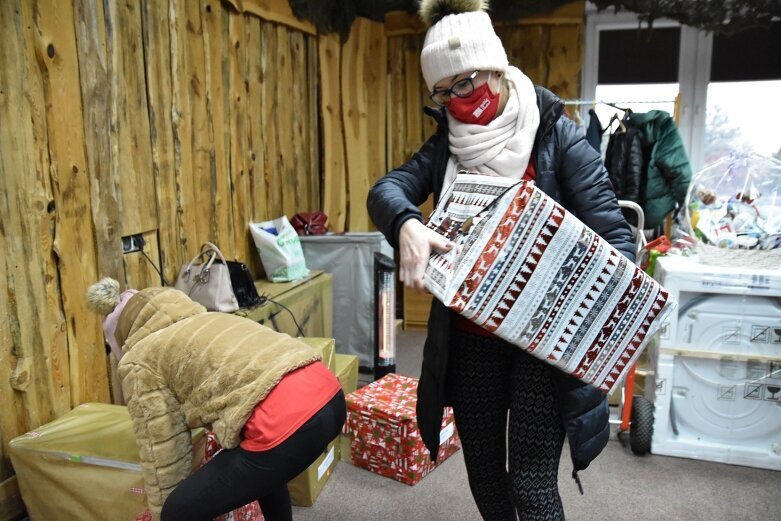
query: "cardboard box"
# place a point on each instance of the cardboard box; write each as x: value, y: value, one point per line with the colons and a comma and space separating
x: 327, y: 347
x: 347, y: 372
x: 716, y: 376
x: 383, y: 430
x: 307, y: 486
x: 84, y: 466
x: 306, y: 304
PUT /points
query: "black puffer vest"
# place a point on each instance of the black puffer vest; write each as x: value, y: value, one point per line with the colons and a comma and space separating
x: 569, y: 170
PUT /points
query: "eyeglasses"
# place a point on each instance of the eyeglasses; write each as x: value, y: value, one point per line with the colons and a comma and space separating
x: 461, y: 89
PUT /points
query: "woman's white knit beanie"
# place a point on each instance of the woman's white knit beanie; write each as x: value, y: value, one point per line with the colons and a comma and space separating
x: 463, y: 41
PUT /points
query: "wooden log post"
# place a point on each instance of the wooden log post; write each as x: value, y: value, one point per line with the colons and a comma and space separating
x: 333, y: 149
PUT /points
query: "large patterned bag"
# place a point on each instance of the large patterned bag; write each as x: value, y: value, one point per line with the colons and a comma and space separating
x: 530, y: 272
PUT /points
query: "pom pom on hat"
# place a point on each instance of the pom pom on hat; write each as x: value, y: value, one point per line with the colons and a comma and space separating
x: 103, y: 296
x: 460, y: 39
x: 432, y: 11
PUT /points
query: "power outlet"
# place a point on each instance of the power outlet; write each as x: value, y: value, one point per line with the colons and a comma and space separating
x: 132, y: 243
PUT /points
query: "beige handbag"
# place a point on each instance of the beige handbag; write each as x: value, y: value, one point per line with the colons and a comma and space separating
x: 208, y: 282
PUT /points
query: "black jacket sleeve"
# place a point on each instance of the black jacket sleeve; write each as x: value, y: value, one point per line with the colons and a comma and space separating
x: 396, y: 196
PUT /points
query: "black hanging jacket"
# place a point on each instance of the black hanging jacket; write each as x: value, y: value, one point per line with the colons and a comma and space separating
x: 569, y: 170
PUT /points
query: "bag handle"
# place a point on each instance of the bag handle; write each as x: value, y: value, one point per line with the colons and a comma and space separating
x: 207, y: 248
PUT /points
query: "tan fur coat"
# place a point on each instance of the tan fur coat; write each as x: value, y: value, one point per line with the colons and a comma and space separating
x: 184, y: 368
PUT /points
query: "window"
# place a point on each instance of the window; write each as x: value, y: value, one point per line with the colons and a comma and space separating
x: 727, y: 86
x: 742, y: 112
x: 635, y: 69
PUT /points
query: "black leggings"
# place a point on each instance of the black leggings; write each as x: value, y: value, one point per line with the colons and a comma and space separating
x: 486, y: 378
x: 236, y: 477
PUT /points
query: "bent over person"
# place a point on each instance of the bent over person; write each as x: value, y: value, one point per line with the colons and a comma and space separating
x: 512, y: 410
x: 271, y: 403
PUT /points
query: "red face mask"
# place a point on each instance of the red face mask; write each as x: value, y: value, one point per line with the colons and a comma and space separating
x: 479, y: 108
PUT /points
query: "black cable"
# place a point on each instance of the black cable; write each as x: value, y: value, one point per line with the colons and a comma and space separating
x: 162, y: 279
x: 300, y: 331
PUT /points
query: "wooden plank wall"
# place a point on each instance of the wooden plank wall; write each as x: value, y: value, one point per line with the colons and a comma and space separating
x: 182, y: 121
x: 353, y: 111
x: 177, y: 120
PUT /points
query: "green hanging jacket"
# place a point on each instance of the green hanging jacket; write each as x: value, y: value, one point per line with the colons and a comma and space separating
x: 668, y: 173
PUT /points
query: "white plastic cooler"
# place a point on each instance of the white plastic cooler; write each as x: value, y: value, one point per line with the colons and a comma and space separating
x: 717, y: 365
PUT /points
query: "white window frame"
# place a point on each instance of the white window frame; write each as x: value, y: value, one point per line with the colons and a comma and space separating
x: 693, y: 71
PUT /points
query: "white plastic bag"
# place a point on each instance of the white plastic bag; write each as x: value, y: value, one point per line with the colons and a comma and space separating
x: 280, y: 250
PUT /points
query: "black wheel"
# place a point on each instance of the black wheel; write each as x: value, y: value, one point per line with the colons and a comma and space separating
x: 641, y: 429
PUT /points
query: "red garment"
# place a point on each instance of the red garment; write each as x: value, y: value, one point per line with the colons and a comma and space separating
x: 295, y: 399
x: 464, y: 324
x: 531, y: 172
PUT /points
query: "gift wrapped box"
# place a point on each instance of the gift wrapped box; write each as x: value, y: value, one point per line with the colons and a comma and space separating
x: 84, y: 466
x: 383, y: 430
x: 530, y: 272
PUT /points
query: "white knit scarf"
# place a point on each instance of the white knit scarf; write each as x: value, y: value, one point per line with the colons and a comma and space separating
x: 503, y: 147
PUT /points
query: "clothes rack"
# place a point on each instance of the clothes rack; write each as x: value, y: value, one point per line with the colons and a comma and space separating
x: 616, y: 104
x: 611, y: 103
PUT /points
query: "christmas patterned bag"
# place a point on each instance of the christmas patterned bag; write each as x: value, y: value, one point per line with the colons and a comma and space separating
x: 530, y: 272
x: 383, y: 430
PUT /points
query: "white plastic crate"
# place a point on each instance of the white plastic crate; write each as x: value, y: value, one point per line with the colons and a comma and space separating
x: 717, y: 381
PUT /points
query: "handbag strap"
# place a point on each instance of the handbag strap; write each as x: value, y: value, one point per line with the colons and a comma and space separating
x: 207, y: 249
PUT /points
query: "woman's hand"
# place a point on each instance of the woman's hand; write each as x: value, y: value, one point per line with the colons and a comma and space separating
x: 415, y: 244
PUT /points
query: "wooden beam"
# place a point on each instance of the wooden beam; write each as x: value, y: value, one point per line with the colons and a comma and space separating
x: 376, y: 84
x: 34, y: 372
x: 284, y: 110
x: 183, y: 79
x: 218, y: 110
x: 565, y: 56
x: 197, y: 181
x: 86, y: 190
x: 258, y: 210
x: 278, y: 11
x: 240, y: 189
x: 333, y: 151
x: 131, y: 153
x: 313, y: 127
x: 355, y: 109
x: 272, y: 174
x: 298, y: 118
x: 160, y: 83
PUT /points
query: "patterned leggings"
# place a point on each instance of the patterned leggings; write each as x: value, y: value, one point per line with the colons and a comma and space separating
x: 486, y: 377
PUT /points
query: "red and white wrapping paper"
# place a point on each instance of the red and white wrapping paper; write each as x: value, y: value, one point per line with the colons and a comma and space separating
x: 530, y: 272
x: 383, y: 430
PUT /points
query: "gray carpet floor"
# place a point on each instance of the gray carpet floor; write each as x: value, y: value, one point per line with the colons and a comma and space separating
x: 618, y: 485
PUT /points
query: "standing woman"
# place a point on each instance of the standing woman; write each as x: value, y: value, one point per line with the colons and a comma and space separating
x: 492, y: 120
x: 271, y: 403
